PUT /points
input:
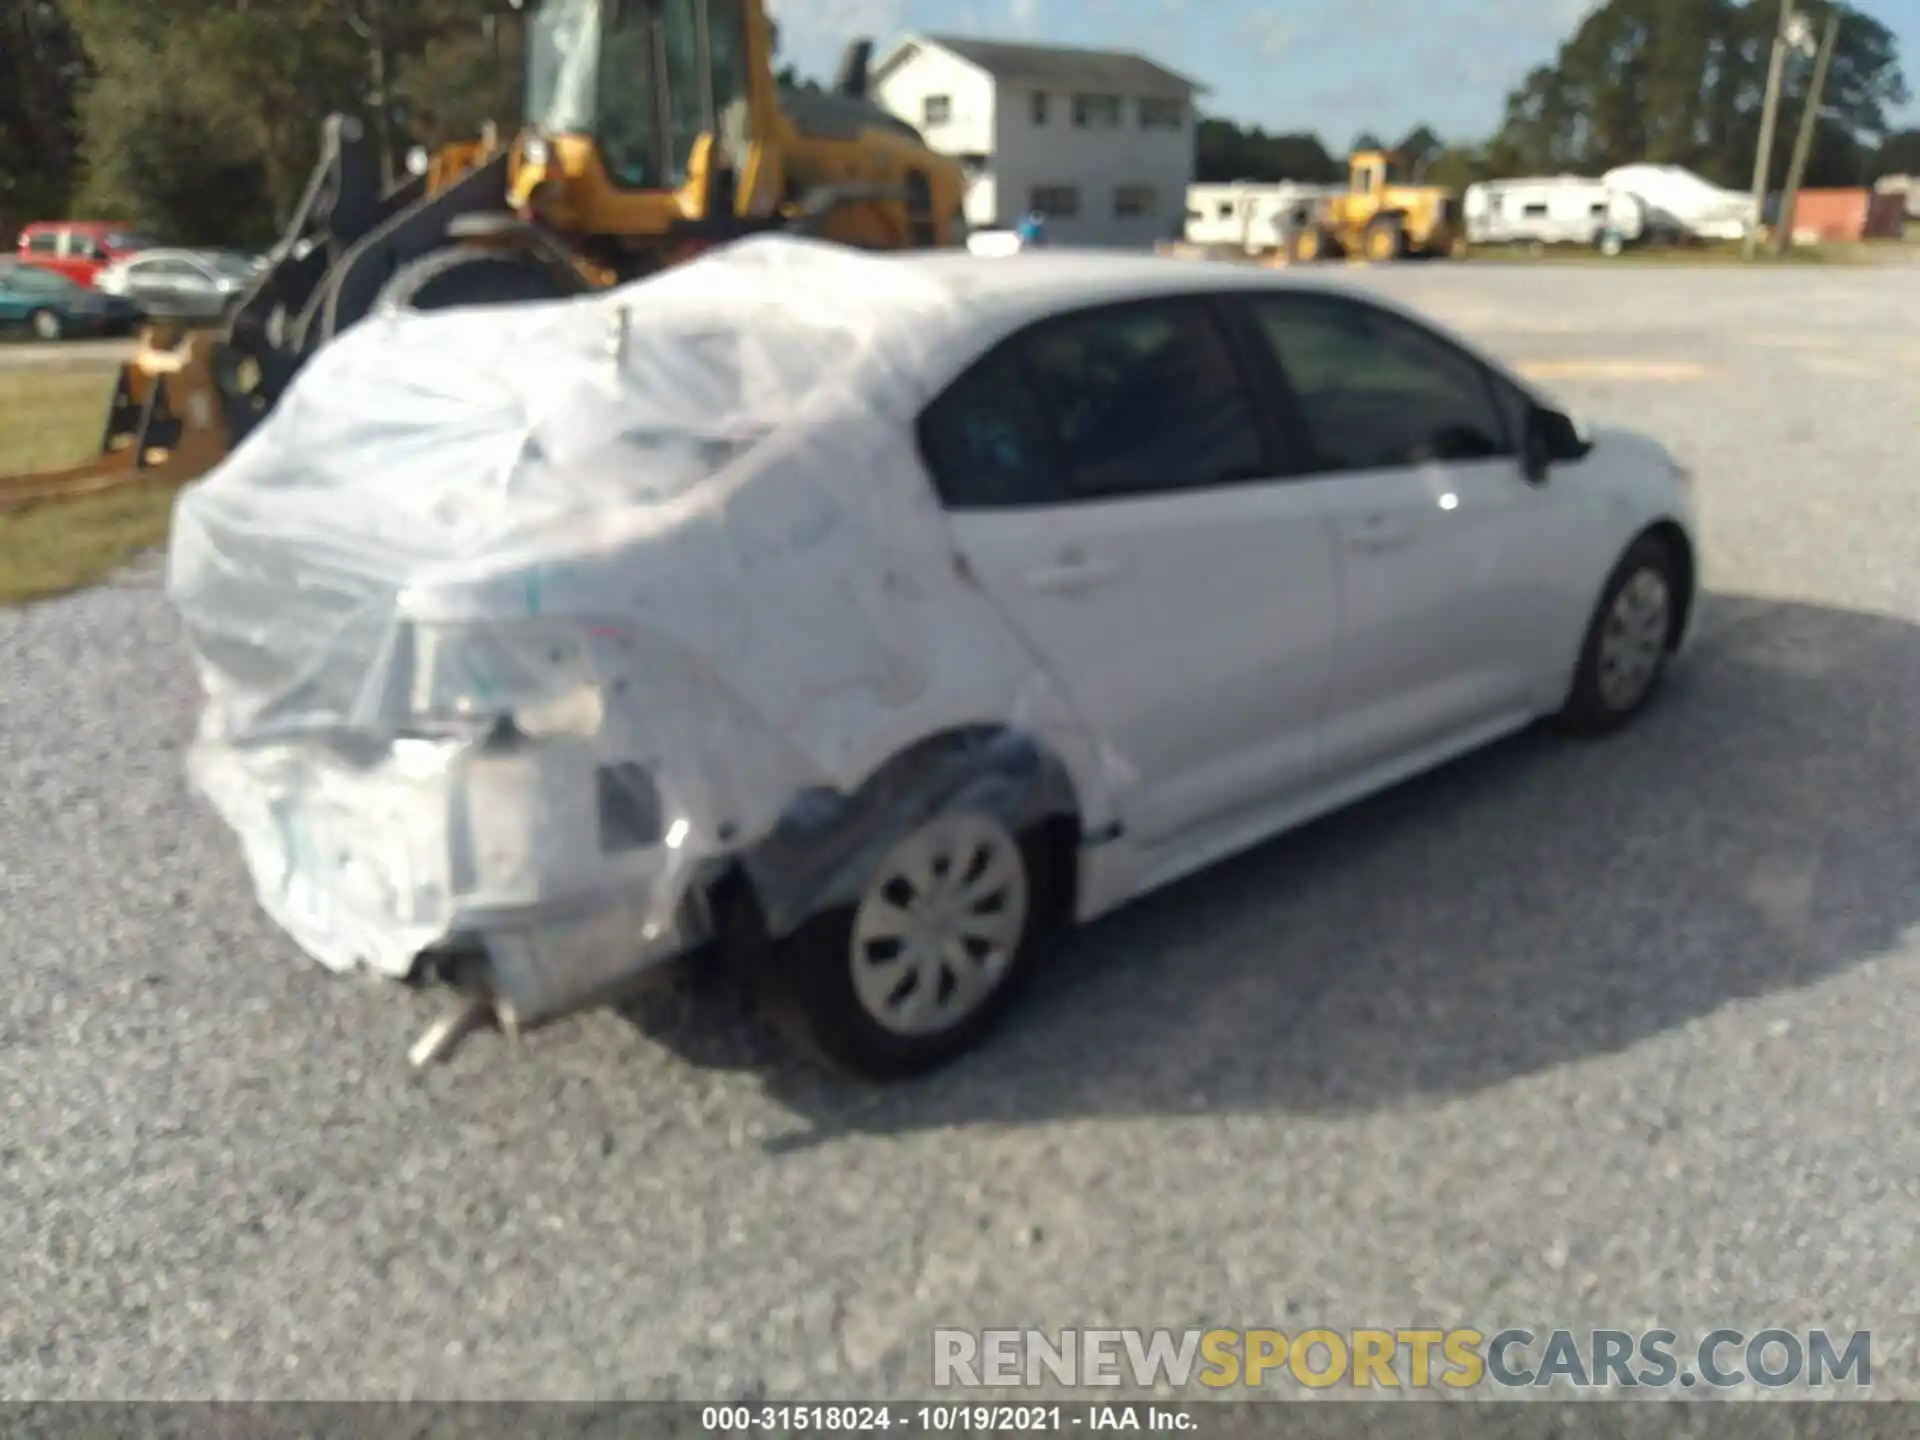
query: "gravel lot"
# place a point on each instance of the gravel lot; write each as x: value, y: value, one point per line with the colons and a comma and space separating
x: 1619, y: 1034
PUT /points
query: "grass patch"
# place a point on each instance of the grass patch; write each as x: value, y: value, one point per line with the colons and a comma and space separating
x: 50, y: 416
x: 58, y: 546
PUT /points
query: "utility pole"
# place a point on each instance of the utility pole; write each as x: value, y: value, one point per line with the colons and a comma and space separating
x: 1769, y: 116
x: 1803, y: 143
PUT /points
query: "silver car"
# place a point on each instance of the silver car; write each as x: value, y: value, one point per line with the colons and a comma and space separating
x: 181, y: 284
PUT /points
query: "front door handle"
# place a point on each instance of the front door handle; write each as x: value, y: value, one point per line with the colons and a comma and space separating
x: 1071, y: 574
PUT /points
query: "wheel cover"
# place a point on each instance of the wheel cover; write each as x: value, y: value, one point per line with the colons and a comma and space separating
x: 939, y: 924
x: 46, y: 326
x: 1633, y: 639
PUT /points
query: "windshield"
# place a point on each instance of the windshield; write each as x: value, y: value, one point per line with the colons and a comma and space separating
x: 706, y: 67
x: 563, y: 56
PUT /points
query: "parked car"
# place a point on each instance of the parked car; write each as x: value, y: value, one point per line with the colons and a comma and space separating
x: 52, y: 307
x: 181, y: 284
x: 867, y: 614
x: 79, y: 249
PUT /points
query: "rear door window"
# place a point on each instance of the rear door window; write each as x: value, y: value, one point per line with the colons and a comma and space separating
x: 986, y: 439
x: 1146, y: 398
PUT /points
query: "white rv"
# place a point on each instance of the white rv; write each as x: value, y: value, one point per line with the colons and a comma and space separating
x: 1551, y: 210
x: 1248, y: 215
x: 1679, y: 202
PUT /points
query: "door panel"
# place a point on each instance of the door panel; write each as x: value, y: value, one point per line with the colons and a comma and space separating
x: 1106, y: 479
x: 1193, y: 631
x: 1447, y: 604
x: 1446, y: 551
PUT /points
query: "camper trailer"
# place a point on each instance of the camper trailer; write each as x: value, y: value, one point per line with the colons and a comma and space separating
x: 1250, y: 216
x: 1680, y: 204
x: 1552, y: 210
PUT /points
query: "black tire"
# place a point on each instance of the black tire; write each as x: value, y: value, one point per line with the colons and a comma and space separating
x: 46, y: 325
x: 1593, y: 708
x: 811, y: 980
x: 466, y: 275
x: 1389, y: 233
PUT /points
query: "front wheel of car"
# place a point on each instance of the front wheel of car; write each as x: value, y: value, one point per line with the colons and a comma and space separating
x: 46, y: 325
x: 1628, y: 640
x: 922, y: 964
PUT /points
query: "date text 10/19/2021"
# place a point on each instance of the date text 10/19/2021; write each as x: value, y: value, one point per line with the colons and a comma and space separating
x: 939, y: 1419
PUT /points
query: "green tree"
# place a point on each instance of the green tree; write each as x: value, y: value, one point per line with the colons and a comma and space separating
x: 1421, y: 147
x: 1458, y: 166
x: 42, y: 70
x: 1681, y: 81
x: 204, y: 118
x: 1224, y: 152
x: 1898, y: 154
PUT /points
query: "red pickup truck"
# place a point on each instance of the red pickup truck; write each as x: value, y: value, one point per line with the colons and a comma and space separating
x: 79, y: 249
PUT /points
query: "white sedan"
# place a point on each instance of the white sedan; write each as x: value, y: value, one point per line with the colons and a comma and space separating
x: 868, y: 615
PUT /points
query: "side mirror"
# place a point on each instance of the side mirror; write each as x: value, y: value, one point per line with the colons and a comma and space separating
x: 1552, y: 438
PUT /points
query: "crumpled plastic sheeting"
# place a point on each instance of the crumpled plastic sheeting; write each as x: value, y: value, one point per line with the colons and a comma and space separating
x: 674, y: 530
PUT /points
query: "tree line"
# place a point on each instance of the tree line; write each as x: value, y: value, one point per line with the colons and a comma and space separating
x: 198, y: 119
x: 1677, y: 82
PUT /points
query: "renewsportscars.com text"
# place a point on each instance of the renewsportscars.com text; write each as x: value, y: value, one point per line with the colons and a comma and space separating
x: 1412, y: 1359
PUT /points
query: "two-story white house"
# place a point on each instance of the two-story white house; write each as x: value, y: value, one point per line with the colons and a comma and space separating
x: 1101, y: 142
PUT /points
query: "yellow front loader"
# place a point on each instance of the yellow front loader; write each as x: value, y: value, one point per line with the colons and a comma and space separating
x: 1384, y: 215
x: 653, y: 129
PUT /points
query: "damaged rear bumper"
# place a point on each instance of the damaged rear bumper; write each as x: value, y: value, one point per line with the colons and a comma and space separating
x: 538, y: 880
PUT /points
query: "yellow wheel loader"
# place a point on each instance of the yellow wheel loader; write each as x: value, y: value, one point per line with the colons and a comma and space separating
x: 1384, y: 216
x: 653, y: 129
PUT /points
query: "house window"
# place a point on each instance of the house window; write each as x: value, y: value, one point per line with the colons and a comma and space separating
x: 936, y: 109
x: 1160, y: 114
x: 1096, y: 112
x: 1056, y: 202
x: 1132, y: 201
x: 1037, y: 107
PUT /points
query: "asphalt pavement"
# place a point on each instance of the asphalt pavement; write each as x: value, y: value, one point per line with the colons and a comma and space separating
x: 1612, y: 1034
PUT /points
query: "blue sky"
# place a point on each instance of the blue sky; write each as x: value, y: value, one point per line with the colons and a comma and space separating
x: 1336, y: 66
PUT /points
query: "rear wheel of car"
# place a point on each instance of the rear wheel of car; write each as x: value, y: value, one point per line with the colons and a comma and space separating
x: 46, y: 325
x: 1628, y: 640
x: 922, y: 964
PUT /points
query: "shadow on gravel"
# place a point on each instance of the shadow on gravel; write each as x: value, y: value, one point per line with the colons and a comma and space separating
x: 1539, y: 903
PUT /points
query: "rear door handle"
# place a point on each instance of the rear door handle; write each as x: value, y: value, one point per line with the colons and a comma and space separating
x: 1071, y: 575
x: 1375, y: 533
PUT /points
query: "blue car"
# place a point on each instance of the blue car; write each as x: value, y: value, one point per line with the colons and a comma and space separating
x: 49, y: 306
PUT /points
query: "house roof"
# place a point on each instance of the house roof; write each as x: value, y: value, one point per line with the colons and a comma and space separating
x: 1058, y: 67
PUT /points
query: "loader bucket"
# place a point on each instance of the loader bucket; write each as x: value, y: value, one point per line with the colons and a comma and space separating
x: 165, y: 422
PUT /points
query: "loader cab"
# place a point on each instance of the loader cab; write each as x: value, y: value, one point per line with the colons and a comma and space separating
x: 620, y: 93
x: 1372, y: 172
